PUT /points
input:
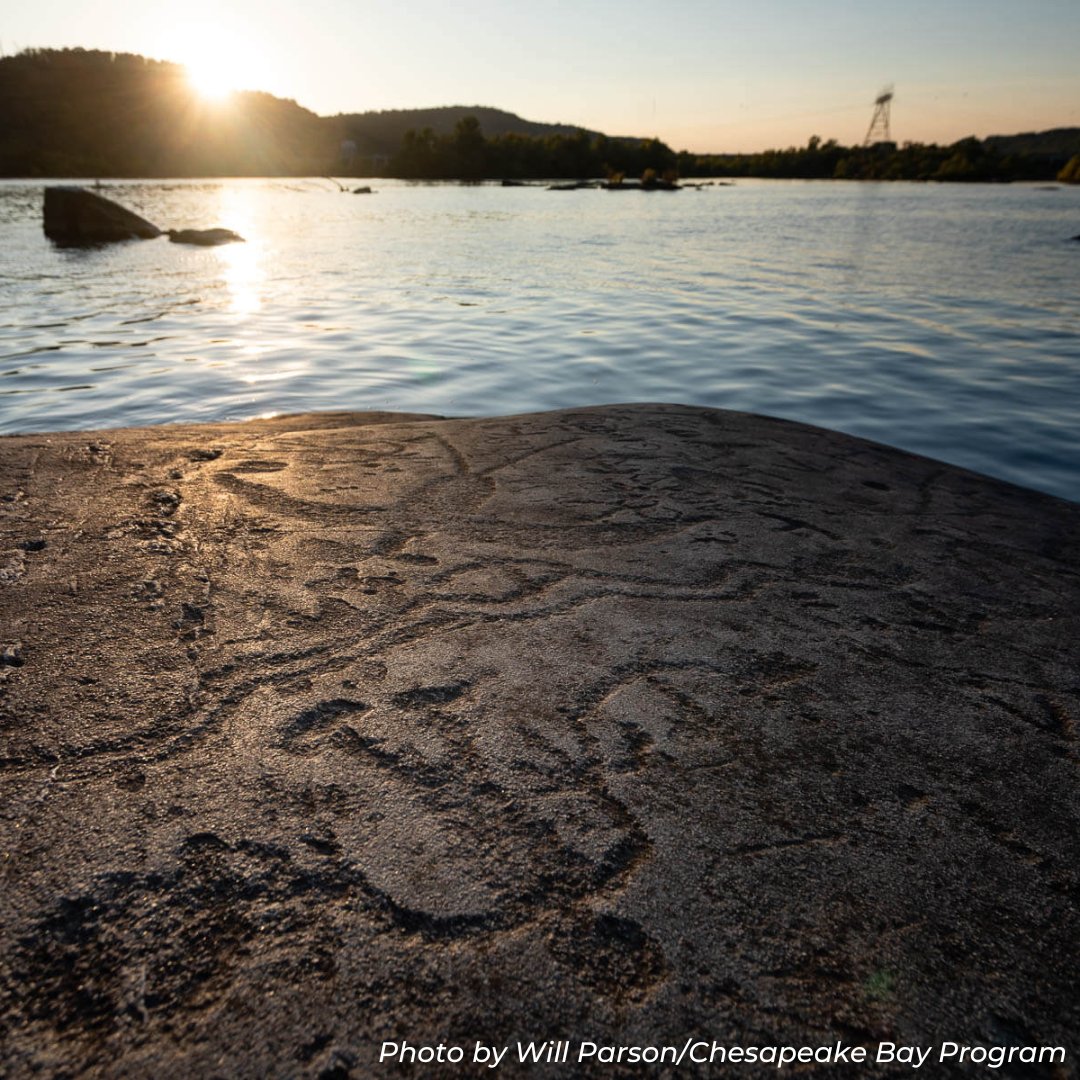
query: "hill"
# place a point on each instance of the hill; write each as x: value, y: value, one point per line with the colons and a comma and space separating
x: 88, y: 113
x: 1055, y: 146
x: 382, y: 132
x: 81, y: 113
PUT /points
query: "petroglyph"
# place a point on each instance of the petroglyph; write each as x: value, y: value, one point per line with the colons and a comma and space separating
x: 636, y: 720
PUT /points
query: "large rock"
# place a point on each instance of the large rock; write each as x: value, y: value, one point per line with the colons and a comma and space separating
x: 76, y: 216
x: 627, y: 725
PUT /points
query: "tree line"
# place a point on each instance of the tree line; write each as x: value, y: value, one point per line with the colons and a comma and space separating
x: 466, y: 154
x: 970, y: 160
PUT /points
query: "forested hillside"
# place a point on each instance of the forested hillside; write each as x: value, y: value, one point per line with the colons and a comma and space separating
x: 83, y: 113
x: 87, y: 113
x: 382, y: 132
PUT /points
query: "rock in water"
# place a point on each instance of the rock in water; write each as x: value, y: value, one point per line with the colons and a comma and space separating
x: 76, y: 216
x: 204, y: 237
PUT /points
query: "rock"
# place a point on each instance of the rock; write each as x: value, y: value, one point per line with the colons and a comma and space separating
x: 13, y: 568
x: 204, y: 237
x: 617, y: 724
x: 12, y: 655
x: 363, y: 191
x: 75, y: 217
x: 643, y: 185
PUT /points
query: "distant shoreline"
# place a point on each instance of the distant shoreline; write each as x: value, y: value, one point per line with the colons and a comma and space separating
x: 543, y: 183
x: 70, y: 113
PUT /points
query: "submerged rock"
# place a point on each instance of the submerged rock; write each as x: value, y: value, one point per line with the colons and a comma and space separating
x: 75, y: 216
x: 204, y: 237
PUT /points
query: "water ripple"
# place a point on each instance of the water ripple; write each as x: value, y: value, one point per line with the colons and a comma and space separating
x: 941, y: 319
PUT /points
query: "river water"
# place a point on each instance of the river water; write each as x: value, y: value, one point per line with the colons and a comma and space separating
x: 941, y: 319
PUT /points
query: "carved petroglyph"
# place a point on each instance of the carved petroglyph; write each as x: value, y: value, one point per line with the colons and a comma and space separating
x: 623, y: 719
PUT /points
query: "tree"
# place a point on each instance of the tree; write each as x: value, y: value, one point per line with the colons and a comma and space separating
x: 469, y: 147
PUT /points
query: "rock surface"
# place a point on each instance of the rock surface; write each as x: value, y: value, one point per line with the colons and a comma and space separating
x: 204, y: 237
x: 75, y: 216
x: 623, y: 724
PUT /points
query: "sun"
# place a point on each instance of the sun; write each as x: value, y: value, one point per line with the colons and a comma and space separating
x: 218, y: 64
x: 210, y: 79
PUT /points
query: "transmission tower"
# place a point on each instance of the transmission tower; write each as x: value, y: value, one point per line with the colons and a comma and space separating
x: 878, y: 131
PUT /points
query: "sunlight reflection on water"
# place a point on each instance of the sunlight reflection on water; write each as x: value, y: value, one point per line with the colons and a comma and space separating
x: 241, y: 263
x: 242, y: 273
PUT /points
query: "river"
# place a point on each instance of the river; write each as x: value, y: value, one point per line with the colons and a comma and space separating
x: 944, y: 319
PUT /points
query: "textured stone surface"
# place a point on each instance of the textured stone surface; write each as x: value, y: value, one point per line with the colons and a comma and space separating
x: 621, y: 724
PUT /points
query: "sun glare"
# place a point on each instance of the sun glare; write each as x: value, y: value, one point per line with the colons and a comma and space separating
x: 217, y: 67
x: 209, y: 80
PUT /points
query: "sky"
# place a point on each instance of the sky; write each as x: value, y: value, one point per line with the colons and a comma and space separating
x: 703, y: 75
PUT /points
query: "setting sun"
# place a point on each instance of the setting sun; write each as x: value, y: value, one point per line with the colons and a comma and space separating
x: 218, y: 65
x: 209, y: 79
